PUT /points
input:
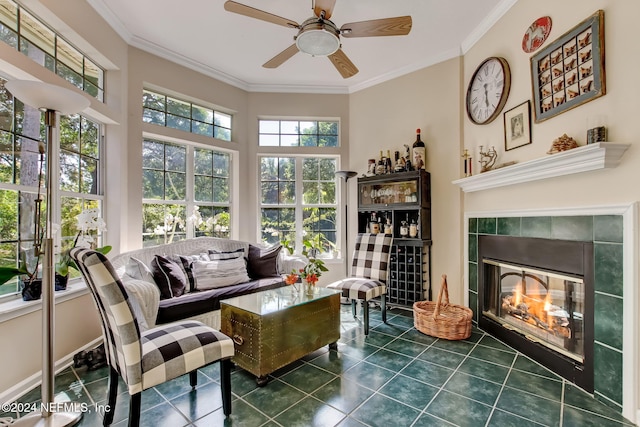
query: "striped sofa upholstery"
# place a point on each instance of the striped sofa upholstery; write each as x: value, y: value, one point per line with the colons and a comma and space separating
x: 146, y: 358
x: 369, y: 271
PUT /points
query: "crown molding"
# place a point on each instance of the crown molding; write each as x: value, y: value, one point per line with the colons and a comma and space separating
x: 486, y: 24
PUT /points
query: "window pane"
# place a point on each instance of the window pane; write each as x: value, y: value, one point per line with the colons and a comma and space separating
x: 89, y: 172
x: 311, y: 195
x: 308, y: 128
x: 270, y: 193
x: 269, y: 126
x: 308, y: 140
x: 152, y: 155
x: 289, y: 127
x: 328, y: 141
x: 289, y: 140
x: 9, y: 223
x: 222, y: 120
x: 203, y: 188
x: 176, y: 158
x: 69, y: 171
x: 6, y: 101
x: 328, y: 192
x: 93, y: 74
x: 175, y: 185
x: 202, y: 128
x: 221, y: 164
x: 310, y: 169
x: 220, y: 190
x: 9, y: 14
x: 9, y: 37
x: 202, y: 114
x: 178, y: 122
x: 328, y: 128
x: 152, y: 116
x: 287, y: 192
x: 287, y: 168
x: 152, y: 184
x: 153, y: 100
x: 70, y: 208
x: 36, y: 32
x: 178, y: 107
x: 69, y: 75
x: 7, y: 158
x: 203, y: 162
x: 269, y: 168
x: 222, y: 133
x: 269, y: 140
x: 152, y: 221
x: 327, y: 169
x: 70, y: 133
x: 70, y: 56
x: 89, y: 138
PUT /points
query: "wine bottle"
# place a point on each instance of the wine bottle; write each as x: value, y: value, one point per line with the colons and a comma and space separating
x: 419, y: 152
x: 388, y: 164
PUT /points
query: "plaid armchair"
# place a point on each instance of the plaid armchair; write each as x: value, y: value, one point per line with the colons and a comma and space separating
x: 146, y: 358
x: 369, y: 271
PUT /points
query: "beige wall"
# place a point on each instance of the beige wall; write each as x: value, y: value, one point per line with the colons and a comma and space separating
x: 385, y: 117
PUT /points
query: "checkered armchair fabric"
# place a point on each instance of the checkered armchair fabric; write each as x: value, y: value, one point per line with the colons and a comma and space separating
x: 146, y: 358
x: 369, y: 271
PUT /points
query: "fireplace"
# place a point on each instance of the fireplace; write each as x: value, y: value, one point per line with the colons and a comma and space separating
x: 537, y: 296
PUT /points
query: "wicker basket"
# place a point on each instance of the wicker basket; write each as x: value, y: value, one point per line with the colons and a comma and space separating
x: 442, y: 319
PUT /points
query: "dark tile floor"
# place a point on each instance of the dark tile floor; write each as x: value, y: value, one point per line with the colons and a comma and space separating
x: 395, y: 377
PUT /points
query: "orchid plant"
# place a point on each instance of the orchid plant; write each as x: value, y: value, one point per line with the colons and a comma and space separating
x: 89, y: 224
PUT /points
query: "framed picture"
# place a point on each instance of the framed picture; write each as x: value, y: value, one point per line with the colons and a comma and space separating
x: 517, y: 126
x: 570, y: 71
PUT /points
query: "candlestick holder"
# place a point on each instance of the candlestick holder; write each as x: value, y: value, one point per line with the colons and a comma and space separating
x: 467, y: 163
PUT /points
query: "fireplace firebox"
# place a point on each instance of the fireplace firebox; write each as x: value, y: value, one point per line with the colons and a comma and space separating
x: 537, y: 296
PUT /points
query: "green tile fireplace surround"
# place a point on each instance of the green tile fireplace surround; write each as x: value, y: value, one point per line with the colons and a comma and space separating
x: 606, y: 233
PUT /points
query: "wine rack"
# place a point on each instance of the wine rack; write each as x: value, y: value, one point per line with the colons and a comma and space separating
x: 404, y: 199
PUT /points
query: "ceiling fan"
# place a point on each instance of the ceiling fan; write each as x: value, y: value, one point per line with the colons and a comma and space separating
x: 318, y: 36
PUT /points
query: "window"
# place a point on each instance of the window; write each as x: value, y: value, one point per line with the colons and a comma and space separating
x: 175, y: 113
x: 21, y: 129
x: 25, y: 32
x: 298, y: 193
x: 185, y: 192
x: 298, y: 133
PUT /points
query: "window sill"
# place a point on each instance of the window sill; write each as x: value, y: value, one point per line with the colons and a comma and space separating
x: 17, y: 307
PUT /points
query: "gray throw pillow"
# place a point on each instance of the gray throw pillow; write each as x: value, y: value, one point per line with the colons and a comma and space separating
x: 263, y: 263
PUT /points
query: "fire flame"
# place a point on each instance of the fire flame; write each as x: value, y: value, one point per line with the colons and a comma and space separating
x: 518, y: 294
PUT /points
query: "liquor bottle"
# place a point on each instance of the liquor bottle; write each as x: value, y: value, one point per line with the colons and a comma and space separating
x: 374, y: 224
x: 388, y: 227
x: 388, y: 164
x: 381, y: 165
x: 413, y: 228
x: 419, y: 152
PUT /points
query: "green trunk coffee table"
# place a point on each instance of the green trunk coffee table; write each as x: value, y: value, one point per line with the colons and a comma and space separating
x: 273, y: 328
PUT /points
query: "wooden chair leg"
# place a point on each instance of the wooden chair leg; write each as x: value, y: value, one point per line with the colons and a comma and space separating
x: 134, y: 409
x: 354, y: 308
x: 225, y: 384
x: 112, y: 395
x: 193, y: 378
x: 365, y: 315
x: 383, y: 307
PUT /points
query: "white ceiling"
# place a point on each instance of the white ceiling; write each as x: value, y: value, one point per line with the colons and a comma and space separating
x: 201, y: 35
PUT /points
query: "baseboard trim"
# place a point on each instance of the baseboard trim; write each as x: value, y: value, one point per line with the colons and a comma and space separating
x: 14, y: 393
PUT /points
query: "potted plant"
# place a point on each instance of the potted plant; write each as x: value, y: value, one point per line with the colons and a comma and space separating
x: 89, y: 225
x: 30, y: 282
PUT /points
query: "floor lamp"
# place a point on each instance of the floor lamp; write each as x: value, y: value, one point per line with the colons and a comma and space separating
x: 346, y: 175
x: 52, y: 99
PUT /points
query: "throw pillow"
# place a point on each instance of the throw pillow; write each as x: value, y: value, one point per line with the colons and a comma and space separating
x: 217, y: 274
x: 138, y: 270
x: 169, y: 277
x: 263, y: 262
x: 185, y: 262
x: 220, y: 256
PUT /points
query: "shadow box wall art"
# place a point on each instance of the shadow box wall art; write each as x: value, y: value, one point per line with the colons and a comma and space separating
x: 570, y: 71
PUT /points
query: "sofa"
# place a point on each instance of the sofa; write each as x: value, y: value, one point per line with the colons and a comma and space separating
x: 149, y: 274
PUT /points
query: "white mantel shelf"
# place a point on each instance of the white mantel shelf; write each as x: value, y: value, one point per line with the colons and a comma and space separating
x: 590, y: 157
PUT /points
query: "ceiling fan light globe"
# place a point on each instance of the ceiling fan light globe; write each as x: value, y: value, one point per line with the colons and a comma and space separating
x: 318, y: 37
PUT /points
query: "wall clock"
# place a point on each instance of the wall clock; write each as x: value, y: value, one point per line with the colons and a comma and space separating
x: 488, y: 90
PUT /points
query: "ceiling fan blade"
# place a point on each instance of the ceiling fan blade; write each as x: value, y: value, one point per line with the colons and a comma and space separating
x: 280, y: 58
x: 398, y: 26
x: 251, y: 12
x: 343, y: 64
x: 326, y: 5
